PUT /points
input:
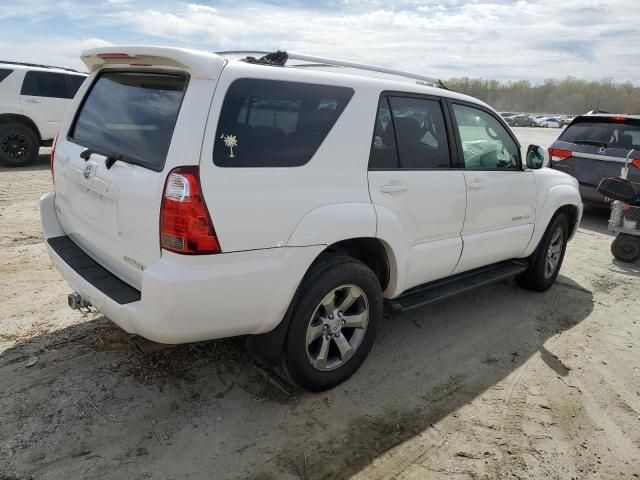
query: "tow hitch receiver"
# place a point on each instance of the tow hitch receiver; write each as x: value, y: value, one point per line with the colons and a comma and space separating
x: 76, y: 302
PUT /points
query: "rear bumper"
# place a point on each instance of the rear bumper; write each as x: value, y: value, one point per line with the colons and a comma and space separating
x: 192, y: 298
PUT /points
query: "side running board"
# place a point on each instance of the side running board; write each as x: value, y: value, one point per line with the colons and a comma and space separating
x: 462, y: 282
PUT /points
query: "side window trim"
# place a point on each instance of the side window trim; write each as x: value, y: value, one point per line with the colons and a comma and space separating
x: 448, y: 124
x: 450, y: 102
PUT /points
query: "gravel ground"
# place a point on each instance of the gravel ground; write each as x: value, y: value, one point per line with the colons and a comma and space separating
x: 498, y: 383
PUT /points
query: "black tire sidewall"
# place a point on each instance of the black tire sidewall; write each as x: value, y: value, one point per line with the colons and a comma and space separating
x: 322, y: 279
x: 620, y: 242
x: 33, y: 145
x: 534, y: 278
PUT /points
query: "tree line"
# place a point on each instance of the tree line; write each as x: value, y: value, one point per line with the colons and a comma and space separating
x: 568, y: 96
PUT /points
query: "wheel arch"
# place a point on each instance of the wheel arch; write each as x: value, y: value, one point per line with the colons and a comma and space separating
x: 21, y: 119
x: 560, y: 199
x: 267, y: 348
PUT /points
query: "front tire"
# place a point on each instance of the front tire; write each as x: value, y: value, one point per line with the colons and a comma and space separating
x: 19, y: 145
x: 547, y: 259
x: 334, y: 323
x: 626, y: 248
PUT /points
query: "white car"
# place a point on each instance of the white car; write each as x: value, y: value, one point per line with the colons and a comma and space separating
x: 199, y: 197
x: 33, y: 101
x: 549, y: 122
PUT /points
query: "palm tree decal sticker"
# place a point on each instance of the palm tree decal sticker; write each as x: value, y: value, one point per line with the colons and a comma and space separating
x: 230, y: 141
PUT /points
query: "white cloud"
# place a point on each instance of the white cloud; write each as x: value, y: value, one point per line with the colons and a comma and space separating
x: 532, y: 39
x: 58, y: 51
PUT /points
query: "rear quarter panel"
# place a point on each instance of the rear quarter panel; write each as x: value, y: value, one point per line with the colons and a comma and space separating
x: 312, y: 204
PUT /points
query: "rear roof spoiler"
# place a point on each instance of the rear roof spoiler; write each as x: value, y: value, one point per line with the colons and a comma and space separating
x: 198, y: 63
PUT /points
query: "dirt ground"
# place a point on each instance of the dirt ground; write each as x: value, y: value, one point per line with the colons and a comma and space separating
x: 499, y: 383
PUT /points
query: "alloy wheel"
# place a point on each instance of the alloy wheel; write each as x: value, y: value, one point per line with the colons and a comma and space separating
x: 554, y: 253
x: 337, y: 327
x: 14, y: 145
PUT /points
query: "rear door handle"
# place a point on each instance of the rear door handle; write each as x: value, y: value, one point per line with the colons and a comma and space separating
x: 32, y: 100
x: 476, y: 185
x: 394, y: 187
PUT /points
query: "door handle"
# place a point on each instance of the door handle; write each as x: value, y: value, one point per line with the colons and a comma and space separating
x: 394, y: 188
x: 476, y: 185
x: 32, y: 100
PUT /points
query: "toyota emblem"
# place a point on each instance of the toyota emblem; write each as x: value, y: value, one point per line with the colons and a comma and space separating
x: 601, y: 150
x: 88, y: 170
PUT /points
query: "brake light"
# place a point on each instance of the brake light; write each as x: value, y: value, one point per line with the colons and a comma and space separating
x: 636, y: 163
x: 618, y: 119
x: 53, y: 155
x: 107, y: 56
x: 185, y: 224
x: 556, y: 154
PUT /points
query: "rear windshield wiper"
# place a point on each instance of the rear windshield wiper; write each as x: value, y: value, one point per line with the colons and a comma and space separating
x: 594, y: 143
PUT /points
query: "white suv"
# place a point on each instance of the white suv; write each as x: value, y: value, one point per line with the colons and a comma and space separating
x: 199, y: 197
x: 33, y: 101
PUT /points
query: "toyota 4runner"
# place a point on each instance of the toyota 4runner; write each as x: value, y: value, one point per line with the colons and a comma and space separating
x: 287, y: 198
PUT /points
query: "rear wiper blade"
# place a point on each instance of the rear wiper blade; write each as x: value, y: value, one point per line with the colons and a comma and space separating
x: 595, y: 143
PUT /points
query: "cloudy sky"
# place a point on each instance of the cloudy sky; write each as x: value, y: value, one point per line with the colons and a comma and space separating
x: 523, y: 39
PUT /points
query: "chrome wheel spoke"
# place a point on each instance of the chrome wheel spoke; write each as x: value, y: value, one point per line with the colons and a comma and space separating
x: 314, y: 332
x: 328, y: 303
x: 344, y: 346
x: 323, y: 354
x: 358, y: 320
x: 351, y: 296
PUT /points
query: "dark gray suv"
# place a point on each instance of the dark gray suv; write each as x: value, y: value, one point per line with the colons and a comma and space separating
x: 595, y: 146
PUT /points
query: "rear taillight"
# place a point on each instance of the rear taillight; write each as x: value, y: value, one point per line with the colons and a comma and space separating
x: 53, y: 155
x: 185, y: 224
x: 636, y: 163
x: 557, y: 154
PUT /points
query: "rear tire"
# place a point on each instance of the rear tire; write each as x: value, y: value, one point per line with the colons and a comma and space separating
x: 547, y: 259
x: 19, y: 145
x: 333, y: 325
x: 626, y: 248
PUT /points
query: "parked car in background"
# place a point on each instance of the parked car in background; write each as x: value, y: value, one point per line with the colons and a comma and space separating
x: 33, y: 102
x: 199, y: 197
x: 521, y: 121
x: 594, y: 146
x: 547, y: 122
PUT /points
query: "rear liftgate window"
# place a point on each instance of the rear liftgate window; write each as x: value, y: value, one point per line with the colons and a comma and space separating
x: 604, y: 134
x: 267, y: 123
x: 131, y: 116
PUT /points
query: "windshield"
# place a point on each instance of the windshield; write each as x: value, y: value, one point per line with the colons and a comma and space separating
x: 131, y: 116
x: 603, y: 134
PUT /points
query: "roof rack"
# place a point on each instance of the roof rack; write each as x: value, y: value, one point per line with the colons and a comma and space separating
x: 268, y: 58
x: 9, y: 62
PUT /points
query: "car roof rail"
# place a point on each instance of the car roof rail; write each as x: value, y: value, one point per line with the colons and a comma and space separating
x: 26, y: 64
x: 279, y: 58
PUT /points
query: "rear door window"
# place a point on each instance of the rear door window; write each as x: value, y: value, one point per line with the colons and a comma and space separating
x: 45, y: 84
x: 603, y: 134
x: 131, y: 116
x: 4, y: 73
x: 410, y: 134
x: 268, y: 123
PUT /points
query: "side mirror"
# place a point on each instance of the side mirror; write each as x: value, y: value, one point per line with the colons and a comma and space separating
x: 537, y: 157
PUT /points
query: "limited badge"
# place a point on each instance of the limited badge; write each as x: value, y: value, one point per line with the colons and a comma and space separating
x: 230, y: 141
